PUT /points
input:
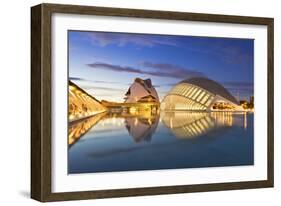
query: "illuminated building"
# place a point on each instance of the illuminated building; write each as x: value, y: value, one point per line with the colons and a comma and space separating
x: 141, y: 91
x: 141, y: 96
x: 200, y: 94
x: 248, y: 106
x: 77, y: 129
x: 251, y: 104
x: 142, y: 127
x: 81, y: 104
x: 195, y: 124
x: 188, y: 124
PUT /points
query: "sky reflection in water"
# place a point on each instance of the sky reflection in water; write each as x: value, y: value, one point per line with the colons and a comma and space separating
x: 171, y: 140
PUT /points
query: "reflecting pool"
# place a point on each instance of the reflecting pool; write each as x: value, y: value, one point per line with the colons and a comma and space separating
x: 109, y: 142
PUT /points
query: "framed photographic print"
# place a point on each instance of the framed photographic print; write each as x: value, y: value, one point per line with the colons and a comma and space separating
x: 130, y: 102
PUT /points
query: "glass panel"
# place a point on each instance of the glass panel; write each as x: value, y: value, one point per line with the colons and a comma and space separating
x: 192, y: 93
x: 200, y: 96
x: 182, y: 89
x: 196, y: 94
x: 187, y: 87
x: 209, y: 101
x: 205, y: 98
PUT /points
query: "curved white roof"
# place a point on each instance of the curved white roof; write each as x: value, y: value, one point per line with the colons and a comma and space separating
x: 212, y: 87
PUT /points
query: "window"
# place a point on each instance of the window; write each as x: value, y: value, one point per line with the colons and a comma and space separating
x: 205, y: 98
x: 209, y: 101
x: 192, y: 93
x: 196, y: 94
x: 200, y: 96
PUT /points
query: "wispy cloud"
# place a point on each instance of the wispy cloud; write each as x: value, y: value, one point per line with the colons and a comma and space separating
x: 234, y: 55
x: 111, y: 67
x: 122, y: 39
x: 77, y: 79
x: 238, y: 84
x: 220, y: 48
x: 156, y: 69
x: 241, y: 87
x: 96, y: 81
x: 112, y: 82
x: 101, y: 88
x: 172, y: 70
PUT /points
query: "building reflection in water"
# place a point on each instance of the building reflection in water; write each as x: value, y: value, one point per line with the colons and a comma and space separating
x: 194, y: 124
x: 78, y: 128
x: 142, y: 125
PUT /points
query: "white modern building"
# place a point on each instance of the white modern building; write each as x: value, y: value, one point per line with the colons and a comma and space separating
x: 200, y: 94
x: 141, y: 91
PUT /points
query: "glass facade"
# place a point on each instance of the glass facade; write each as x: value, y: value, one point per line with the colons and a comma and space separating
x: 81, y: 104
x: 185, y: 96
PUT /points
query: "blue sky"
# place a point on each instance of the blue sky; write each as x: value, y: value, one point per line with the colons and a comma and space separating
x: 105, y: 64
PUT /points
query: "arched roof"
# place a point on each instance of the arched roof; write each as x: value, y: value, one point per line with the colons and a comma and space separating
x: 211, y: 86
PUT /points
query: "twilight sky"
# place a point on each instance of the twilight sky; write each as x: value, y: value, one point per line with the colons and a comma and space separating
x: 106, y: 64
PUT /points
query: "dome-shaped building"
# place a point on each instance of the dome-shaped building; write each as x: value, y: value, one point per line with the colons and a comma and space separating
x: 201, y: 94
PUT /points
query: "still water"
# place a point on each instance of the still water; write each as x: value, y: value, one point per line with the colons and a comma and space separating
x: 169, y: 140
